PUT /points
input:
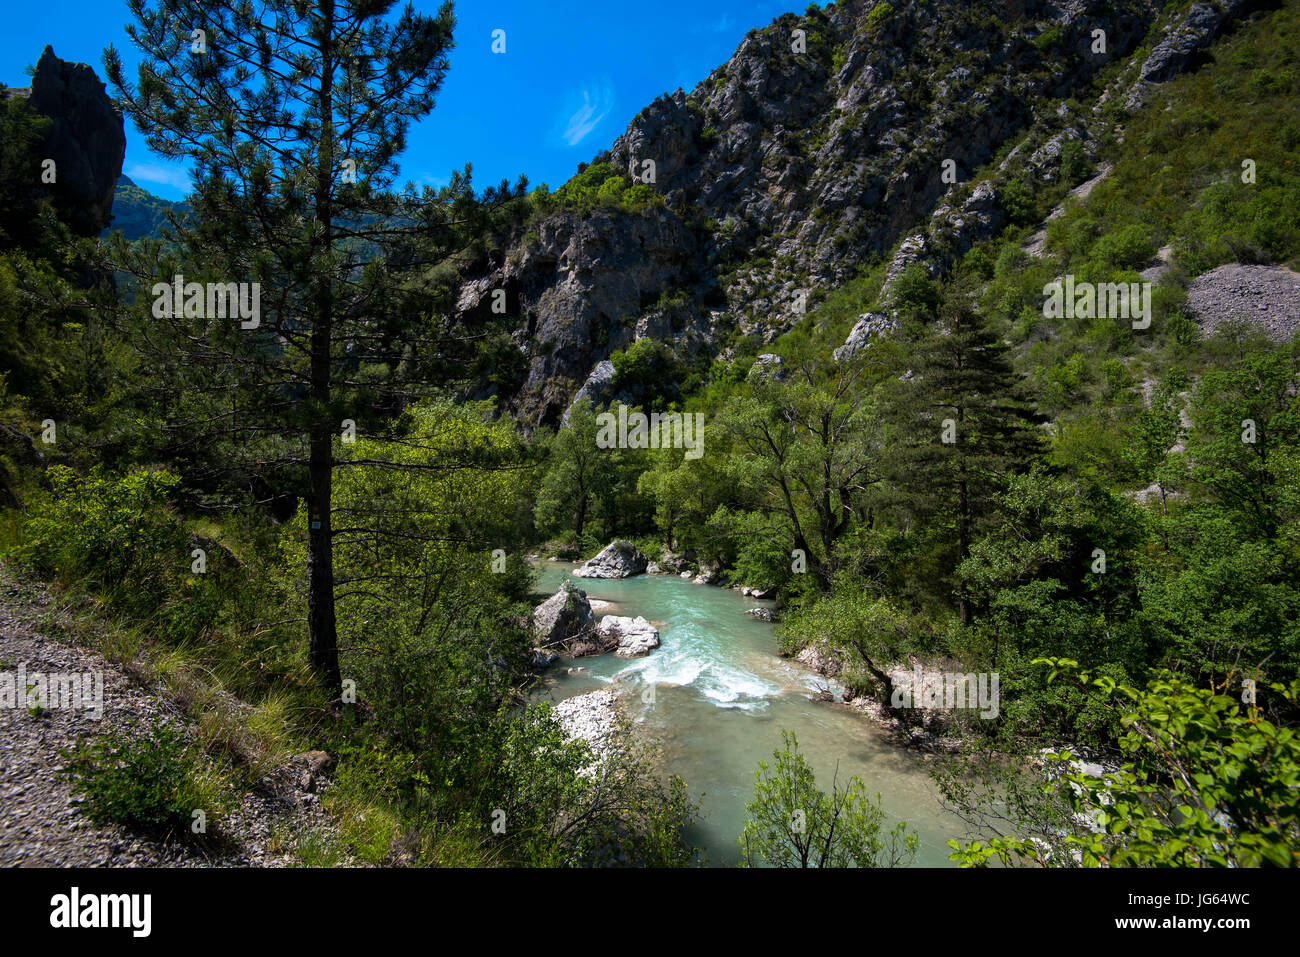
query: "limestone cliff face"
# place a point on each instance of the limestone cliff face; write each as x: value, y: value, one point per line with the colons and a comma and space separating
x: 585, y: 286
x: 818, y: 147
x: 87, y: 140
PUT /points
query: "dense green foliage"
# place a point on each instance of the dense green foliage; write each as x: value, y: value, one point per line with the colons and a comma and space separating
x: 1205, y: 783
x: 21, y: 132
x: 986, y: 487
x: 596, y: 186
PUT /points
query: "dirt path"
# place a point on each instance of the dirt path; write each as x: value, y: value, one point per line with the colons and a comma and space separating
x: 40, y: 820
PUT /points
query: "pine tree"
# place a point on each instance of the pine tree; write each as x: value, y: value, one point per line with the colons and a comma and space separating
x: 293, y: 115
x: 965, y: 421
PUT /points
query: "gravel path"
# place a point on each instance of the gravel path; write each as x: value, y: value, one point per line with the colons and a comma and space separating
x: 40, y: 820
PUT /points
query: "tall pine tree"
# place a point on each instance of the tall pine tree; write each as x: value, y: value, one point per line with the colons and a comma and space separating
x: 293, y: 115
x: 964, y: 422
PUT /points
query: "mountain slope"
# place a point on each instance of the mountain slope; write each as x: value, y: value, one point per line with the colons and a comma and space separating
x: 817, y: 148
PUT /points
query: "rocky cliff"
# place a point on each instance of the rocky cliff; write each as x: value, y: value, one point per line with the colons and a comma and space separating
x: 86, y: 141
x: 860, y: 132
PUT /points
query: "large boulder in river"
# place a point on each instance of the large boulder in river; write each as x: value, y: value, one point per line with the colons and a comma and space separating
x: 632, y: 637
x: 564, y: 616
x: 616, y: 560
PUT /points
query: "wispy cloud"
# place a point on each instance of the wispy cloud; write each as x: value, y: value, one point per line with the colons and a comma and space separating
x: 596, y: 103
x: 166, y: 175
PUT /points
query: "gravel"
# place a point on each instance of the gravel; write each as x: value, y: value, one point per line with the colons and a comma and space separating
x: 1267, y: 297
x: 41, y: 824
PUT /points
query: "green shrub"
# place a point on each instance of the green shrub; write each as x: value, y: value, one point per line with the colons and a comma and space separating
x: 646, y: 370
x: 915, y: 291
x: 1048, y: 40
x: 1018, y: 202
x: 117, y: 536
x: 841, y: 829
x: 879, y: 16
x: 1129, y: 247
x: 152, y: 783
x: 1074, y: 163
x: 116, y: 533
x: 598, y: 186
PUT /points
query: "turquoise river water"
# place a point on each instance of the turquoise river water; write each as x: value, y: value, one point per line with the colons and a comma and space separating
x: 722, y: 697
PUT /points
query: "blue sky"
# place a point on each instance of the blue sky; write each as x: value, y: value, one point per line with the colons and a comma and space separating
x: 574, y: 74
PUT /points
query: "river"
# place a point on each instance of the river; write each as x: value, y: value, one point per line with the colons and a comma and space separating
x: 722, y: 697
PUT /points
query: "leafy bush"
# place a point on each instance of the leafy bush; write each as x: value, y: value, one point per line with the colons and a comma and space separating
x: 1074, y: 163
x: 1018, y: 202
x: 1207, y: 783
x: 1048, y: 40
x: 646, y: 370
x: 1129, y: 247
x: 915, y: 291
x: 118, y: 536
x: 792, y: 823
x: 598, y: 186
x: 152, y: 782
x: 879, y: 16
x: 116, y: 533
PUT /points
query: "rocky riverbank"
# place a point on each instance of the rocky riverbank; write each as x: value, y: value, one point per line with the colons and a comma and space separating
x: 931, y: 730
x: 593, y: 717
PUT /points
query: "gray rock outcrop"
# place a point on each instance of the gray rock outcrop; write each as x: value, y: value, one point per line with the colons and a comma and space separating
x: 616, y: 560
x: 564, y: 616
x: 1184, y: 41
x: 784, y: 172
x: 86, y: 140
x: 870, y: 326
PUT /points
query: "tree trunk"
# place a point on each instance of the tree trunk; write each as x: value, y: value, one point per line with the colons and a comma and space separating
x: 963, y: 547
x: 323, y: 649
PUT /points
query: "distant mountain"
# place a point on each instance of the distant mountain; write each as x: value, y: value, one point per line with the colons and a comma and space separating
x: 137, y: 212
